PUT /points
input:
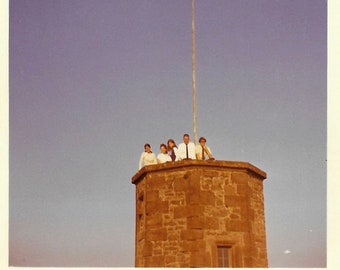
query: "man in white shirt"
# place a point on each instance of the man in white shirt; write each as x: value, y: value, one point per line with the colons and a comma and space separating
x: 203, y: 151
x: 186, y: 150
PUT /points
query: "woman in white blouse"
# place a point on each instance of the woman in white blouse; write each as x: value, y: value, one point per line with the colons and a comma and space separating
x: 147, y: 157
x: 172, y: 150
x: 163, y: 156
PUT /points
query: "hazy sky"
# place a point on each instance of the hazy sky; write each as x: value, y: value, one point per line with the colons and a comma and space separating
x: 91, y: 81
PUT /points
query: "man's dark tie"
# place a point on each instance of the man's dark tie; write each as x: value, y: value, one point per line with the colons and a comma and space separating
x: 203, y: 153
x: 187, y: 150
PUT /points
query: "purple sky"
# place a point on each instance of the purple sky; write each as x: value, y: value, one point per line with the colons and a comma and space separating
x: 92, y: 81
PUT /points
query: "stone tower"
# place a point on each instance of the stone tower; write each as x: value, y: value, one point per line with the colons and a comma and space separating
x: 194, y: 213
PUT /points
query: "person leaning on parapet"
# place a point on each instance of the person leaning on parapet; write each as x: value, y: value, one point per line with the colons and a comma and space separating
x: 203, y: 151
x: 147, y: 157
x: 172, y: 150
x: 163, y: 156
x: 186, y: 150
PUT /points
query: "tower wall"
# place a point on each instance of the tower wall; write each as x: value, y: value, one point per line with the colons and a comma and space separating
x: 194, y: 213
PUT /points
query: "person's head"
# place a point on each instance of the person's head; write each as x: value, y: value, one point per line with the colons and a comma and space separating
x: 171, y: 144
x: 202, y: 141
x: 147, y: 148
x: 163, y: 148
x: 186, y: 138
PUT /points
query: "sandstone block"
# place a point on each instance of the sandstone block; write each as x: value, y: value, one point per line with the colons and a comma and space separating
x: 152, y: 196
x: 156, y: 183
x: 243, y: 190
x: 192, y: 234
x: 195, y: 222
x: 207, y: 198
x: 156, y: 234
x: 200, y: 259
x: 206, y: 183
x: 147, y: 249
x: 211, y: 173
x: 229, y: 190
x: 188, y: 211
x: 155, y: 260
x: 202, y: 222
x: 154, y: 221
x: 173, y: 235
x: 248, y: 261
x: 157, y: 207
x: 170, y: 261
x: 236, y: 200
x: 195, y: 245
x: 180, y: 185
x: 237, y: 226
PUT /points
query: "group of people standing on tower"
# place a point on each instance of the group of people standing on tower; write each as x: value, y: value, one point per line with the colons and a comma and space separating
x: 170, y: 152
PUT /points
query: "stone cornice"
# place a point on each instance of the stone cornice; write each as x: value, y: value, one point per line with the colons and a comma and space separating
x: 239, y: 165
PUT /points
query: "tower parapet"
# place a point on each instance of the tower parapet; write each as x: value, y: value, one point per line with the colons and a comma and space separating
x: 194, y: 213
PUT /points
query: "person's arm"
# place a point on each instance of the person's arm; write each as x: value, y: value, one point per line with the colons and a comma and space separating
x: 141, y: 160
x: 180, y: 152
x: 197, y: 152
x: 154, y: 159
x: 192, y: 149
x: 175, y: 149
x: 208, y: 151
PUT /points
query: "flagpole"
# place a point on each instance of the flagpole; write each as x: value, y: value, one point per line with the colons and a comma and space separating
x: 193, y: 68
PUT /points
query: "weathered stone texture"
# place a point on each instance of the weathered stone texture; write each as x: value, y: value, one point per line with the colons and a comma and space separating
x: 186, y: 209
